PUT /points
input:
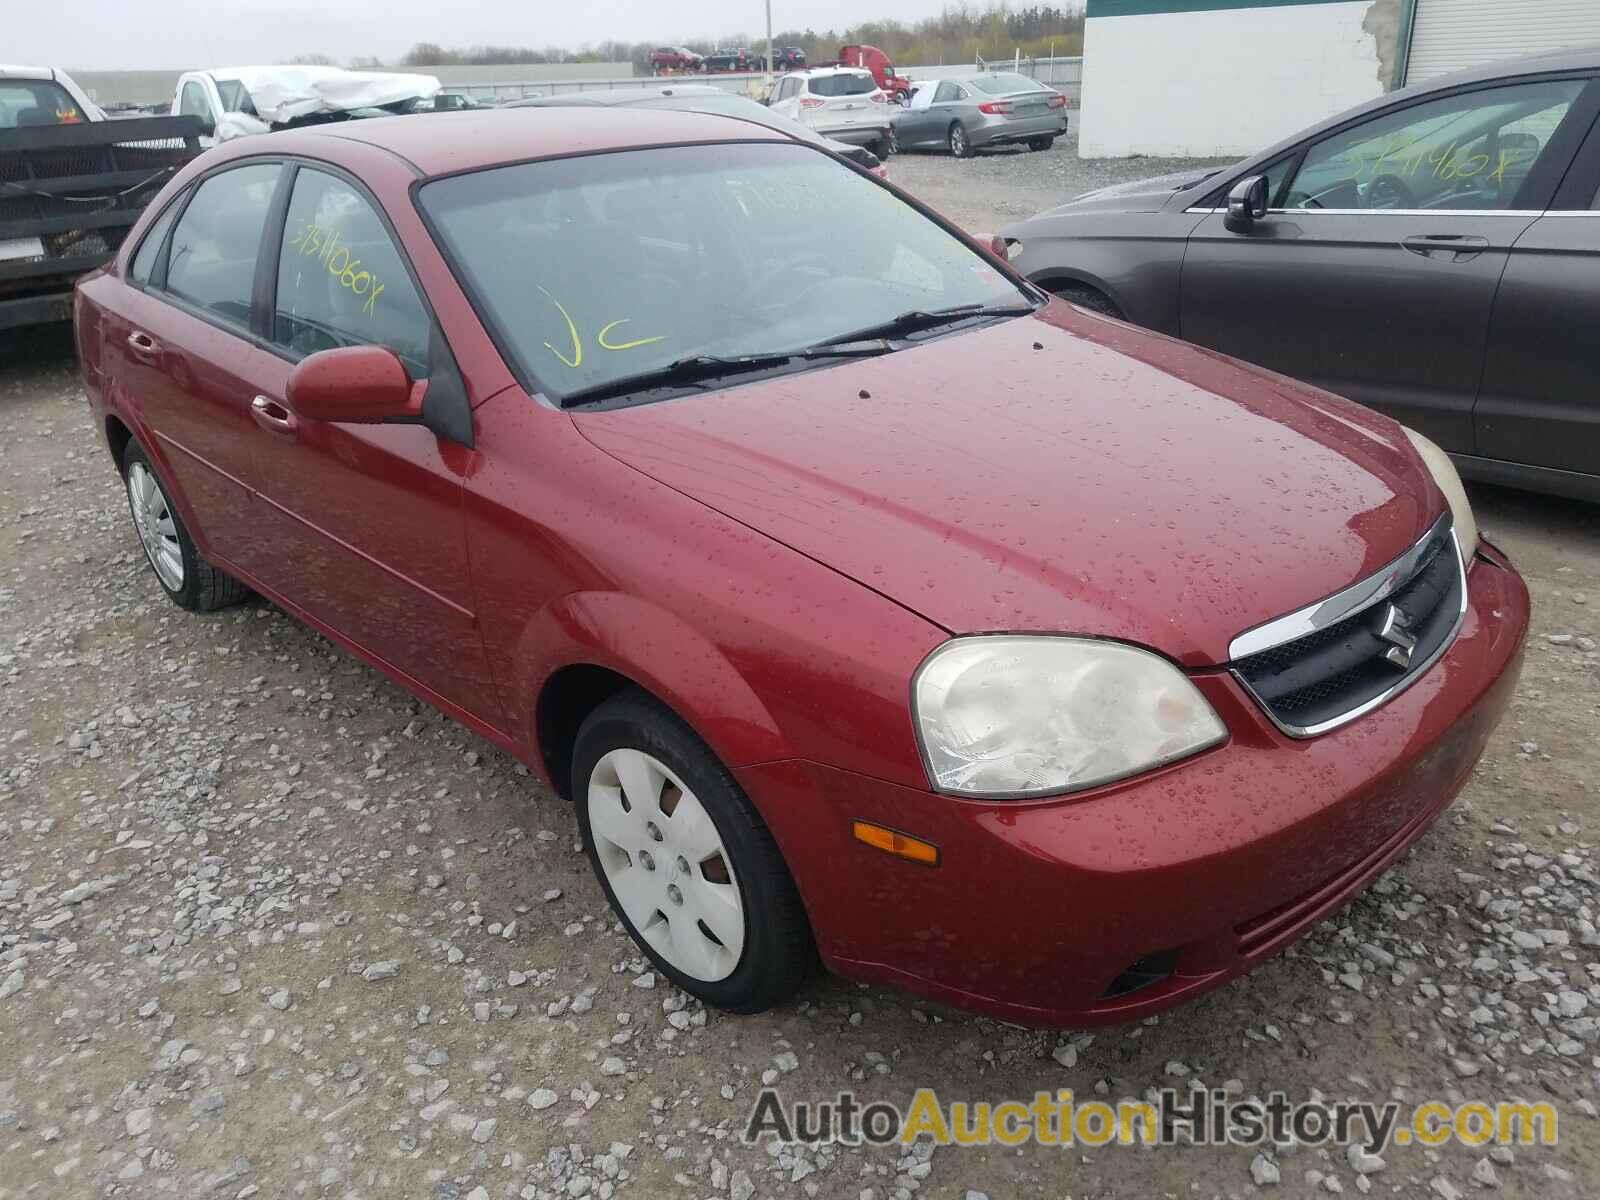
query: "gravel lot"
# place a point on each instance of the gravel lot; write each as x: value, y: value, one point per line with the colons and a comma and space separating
x: 268, y: 926
x: 1009, y: 183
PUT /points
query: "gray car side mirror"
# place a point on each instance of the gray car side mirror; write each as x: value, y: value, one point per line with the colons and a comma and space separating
x: 1247, y: 204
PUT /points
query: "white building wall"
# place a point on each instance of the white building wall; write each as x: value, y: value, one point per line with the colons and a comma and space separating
x: 1223, y: 81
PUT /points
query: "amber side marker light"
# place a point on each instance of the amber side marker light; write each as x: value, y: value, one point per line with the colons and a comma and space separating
x: 901, y: 845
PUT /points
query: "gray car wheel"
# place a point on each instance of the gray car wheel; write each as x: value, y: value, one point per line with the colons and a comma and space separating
x: 960, y: 144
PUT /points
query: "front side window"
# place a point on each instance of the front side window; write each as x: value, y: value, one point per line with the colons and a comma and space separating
x: 845, y: 83
x: 212, y: 264
x: 593, y: 269
x: 31, y: 102
x: 341, y: 281
x: 1468, y: 151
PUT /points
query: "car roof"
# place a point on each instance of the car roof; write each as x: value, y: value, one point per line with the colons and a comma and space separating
x: 813, y: 72
x: 438, y: 143
x: 34, y: 74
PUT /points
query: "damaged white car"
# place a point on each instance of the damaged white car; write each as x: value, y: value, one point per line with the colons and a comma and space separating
x: 236, y: 101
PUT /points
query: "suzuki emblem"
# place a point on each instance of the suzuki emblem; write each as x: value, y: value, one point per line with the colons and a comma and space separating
x: 1395, y: 628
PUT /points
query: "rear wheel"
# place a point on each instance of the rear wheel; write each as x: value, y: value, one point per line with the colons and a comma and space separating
x: 894, y: 141
x: 685, y: 860
x: 883, y: 147
x: 1041, y: 143
x: 188, y: 579
x: 960, y: 144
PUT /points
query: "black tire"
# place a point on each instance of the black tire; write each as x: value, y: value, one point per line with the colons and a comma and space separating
x: 1041, y: 143
x: 1085, y: 296
x: 883, y: 148
x: 960, y: 143
x: 778, y: 950
x: 205, y: 588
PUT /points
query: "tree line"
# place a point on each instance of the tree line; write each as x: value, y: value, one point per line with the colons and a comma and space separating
x: 961, y: 33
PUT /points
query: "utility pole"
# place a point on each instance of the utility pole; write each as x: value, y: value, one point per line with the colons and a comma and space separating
x: 769, y: 46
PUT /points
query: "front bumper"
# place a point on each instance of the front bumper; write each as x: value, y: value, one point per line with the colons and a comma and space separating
x: 1001, y: 131
x: 1212, y: 865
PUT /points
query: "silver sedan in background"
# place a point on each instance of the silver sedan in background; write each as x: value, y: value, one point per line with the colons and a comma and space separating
x: 993, y: 109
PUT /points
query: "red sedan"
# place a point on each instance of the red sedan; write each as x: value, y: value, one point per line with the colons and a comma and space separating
x: 890, y: 612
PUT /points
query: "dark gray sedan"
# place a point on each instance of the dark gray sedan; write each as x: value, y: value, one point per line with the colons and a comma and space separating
x: 1434, y: 253
x: 996, y: 109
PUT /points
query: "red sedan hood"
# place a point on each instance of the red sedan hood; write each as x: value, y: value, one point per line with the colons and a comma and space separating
x: 1064, y: 473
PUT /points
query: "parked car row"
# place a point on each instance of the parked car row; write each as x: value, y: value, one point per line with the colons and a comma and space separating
x: 509, y: 405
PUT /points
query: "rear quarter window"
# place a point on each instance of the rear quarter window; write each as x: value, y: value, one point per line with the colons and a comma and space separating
x: 32, y: 102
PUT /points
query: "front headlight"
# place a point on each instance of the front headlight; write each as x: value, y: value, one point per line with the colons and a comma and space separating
x: 1449, y: 481
x: 1009, y: 717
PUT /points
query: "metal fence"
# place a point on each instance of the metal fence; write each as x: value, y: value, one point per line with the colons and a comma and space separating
x: 1063, y: 74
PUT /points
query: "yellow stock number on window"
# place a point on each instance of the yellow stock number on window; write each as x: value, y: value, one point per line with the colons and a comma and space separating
x: 313, y: 241
x: 607, y: 339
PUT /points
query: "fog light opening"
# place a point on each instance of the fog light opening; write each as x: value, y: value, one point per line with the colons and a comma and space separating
x: 1151, y: 969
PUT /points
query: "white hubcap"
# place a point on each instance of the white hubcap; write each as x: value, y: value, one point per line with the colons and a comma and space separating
x: 152, y: 518
x: 665, y: 862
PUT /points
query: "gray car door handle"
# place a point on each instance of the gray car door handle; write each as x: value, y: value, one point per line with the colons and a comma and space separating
x: 1453, y: 247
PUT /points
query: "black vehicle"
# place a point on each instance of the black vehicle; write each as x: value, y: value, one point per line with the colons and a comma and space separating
x: 738, y: 59
x: 788, y: 58
x: 700, y: 97
x: 1434, y: 253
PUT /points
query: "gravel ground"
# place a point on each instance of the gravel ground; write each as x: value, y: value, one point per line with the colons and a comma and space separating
x: 1009, y: 183
x: 269, y: 926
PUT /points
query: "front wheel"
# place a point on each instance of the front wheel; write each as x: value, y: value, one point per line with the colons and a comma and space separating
x: 894, y: 140
x: 1041, y: 143
x: 685, y: 860
x: 960, y: 143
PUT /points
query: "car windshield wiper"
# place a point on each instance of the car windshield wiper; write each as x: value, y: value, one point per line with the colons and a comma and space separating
x: 704, y: 368
x: 917, y: 320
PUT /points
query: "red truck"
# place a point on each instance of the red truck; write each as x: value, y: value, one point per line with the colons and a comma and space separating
x: 870, y: 58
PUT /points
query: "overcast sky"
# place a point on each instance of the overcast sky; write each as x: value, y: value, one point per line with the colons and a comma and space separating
x: 133, y: 34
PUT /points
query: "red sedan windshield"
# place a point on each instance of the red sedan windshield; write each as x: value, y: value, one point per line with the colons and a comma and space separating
x: 597, y: 268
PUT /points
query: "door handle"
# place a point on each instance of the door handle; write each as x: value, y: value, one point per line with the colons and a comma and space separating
x: 1460, y: 247
x: 272, y: 416
x: 143, y: 345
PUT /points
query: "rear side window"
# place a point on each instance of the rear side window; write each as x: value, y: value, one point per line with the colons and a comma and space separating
x: 341, y: 281
x: 946, y: 93
x: 144, y: 262
x: 192, y: 101
x: 846, y: 83
x: 27, y: 102
x: 214, y: 246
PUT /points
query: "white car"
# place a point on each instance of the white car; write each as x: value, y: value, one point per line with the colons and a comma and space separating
x: 236, y: 101
x: 843, y: 103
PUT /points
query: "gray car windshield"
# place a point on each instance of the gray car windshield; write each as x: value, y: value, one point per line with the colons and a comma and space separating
x: 596, y: 268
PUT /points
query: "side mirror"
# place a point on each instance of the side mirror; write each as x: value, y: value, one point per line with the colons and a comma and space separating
x: 364, y: 385
x: 1247, y: 204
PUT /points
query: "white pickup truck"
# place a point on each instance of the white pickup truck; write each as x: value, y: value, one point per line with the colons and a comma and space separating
x: 235, y: 101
